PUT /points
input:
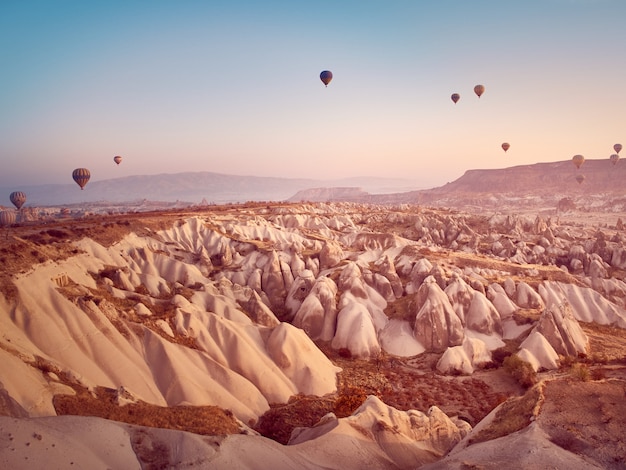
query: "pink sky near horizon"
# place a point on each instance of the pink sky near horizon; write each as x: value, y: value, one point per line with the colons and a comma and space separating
x: 234, y: 87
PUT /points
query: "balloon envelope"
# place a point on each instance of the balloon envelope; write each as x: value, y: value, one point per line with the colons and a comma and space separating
x: 578, y: 160
x: 479, y: 90
x: 7, y: 218
x: 617, y: 147
x: 326, y: 76
x: 455, y: 97
x: 18, y: 198
x: 81, y: 176
x: 117, y: 159
x: 506, y: 146
x: 614, y: 158
x: 580, y: 178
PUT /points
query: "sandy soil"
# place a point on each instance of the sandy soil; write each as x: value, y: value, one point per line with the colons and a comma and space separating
x: 587, y: 418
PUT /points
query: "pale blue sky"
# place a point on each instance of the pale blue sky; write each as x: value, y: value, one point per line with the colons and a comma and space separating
x: 233, y: 86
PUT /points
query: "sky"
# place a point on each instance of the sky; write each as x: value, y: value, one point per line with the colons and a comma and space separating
x: 233, y: 87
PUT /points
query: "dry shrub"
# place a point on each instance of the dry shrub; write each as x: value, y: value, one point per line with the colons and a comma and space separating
x: 302, y: 411
x: 567, y: 362
x: 520, y: 370
x: 599, y: 358
x: 498, y: 356
x: 526, y: 316
x: 349, y: 401
x: 57, y: 233
x: 580, y: 372
x: 598, y: 374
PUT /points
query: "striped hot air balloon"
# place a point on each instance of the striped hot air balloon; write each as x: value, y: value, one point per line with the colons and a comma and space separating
x: 7, y: 218
x: 18, y: 198
x: 81, y: 176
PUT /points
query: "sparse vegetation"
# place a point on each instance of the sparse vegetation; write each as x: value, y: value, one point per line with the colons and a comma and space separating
x: 348, y: 401
x: 401, y: 308
x: 205, y: 420
x: 520, y: 370
x: 607, y: 343
x: 394, y: 382
x: 279, y: 422
x: 598, y: 373
x: 513, y: 415
x: 581, y: 372
x: 499, y: 355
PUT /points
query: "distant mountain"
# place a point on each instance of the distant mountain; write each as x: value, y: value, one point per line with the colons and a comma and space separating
x: 193, y: 188
x: 544, y: 183
x: 544, y: 178
x: 540, y: 183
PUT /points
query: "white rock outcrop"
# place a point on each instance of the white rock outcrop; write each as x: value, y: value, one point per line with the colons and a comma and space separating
x: 437, y: 326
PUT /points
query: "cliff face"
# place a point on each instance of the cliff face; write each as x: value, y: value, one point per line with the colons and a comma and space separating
x: 540, y: 184
x: 543, y: 178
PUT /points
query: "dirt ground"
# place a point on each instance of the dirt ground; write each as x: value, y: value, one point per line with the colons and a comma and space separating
x: 587, y: 418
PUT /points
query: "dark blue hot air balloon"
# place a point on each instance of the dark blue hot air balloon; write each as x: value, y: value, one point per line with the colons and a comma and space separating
x: 326, y: 76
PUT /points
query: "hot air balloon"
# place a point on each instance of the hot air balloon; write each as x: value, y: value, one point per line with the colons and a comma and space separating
x: 506, y: 146
x: 326, y: 76
x: 117, y: 159
x: 81, y: 176
x: 580, y: 178
x: 578, y: 160
x: 614, y: 158
x: 18, y: 198
x: 479, y: 90
x: 455, y: 97
x: 617, y: 147
x: 7, y: 218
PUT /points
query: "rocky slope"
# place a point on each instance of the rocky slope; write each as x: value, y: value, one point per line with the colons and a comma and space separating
x: 232, y: 307
x: 551, y: 187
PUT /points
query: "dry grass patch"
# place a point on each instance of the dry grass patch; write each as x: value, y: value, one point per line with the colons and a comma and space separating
x: 402, y: 308
x: 520, y: 370
x: 513, y: 415
x: 607, y: 343
x: 587, y: 418
x: 205, y: 420
x: 525, y: 316
x: 301, y: 411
